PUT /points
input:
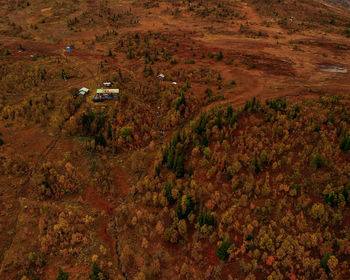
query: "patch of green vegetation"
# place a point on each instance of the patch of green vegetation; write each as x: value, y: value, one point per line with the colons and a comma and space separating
x: 97, y: 273
x: 222, y: 251
x: 345, y: 143
x: 62, y: 275
x: 190, y: 62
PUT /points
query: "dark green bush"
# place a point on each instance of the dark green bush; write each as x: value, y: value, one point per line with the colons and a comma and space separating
x: 100, y: 140
x: 277, y: 104
x: 183, y: 212
x: 97, y: 272
x: 180, y: 101
x: 220, y: 56
x: 61, y: 274
x: 168, y: 188
x: 345, y: 143
x: 190, y: 62
x: 324, y: 262
x: 206, y: 218
x: 256, y: 164
x: 252, y: 106
x: 221, y: 252
x: 317, y: 161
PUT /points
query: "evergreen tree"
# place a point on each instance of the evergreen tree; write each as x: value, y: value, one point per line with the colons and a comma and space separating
x: 97, y: 273
x: 64, y: 77
x: 256, y: 164
x: 184, y: 207
x: 324, y: 262
x: 170, y: 158
x: 168, y: 188
x: 61, y: 274
x: 206, y: 218
x: 100, y: 140
x: 221, y: 252
x: 220, y: 56
x: 179, y: 166
x: 109, y: 131
x: 345, y: 144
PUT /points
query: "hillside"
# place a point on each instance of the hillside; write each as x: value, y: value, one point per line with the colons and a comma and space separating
x: 231, y: 164
x: 344, y: 3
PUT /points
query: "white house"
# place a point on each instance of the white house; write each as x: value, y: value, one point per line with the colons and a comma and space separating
x: 161, y: 76
x: 107, y: 84
x: 83, y: 91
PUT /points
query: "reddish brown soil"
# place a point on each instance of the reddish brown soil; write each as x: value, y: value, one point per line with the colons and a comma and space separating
x: 93, y: 197
x: 121, y: 181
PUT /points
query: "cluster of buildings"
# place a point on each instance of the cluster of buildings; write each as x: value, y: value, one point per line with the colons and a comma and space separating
x: 108, y: 93
x: 102, y: 94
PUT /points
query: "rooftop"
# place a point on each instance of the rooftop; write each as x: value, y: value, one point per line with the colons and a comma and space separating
x: 107, y: 90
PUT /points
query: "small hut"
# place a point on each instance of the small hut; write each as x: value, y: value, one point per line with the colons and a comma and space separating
x: 161, y: 77
x: 107, y: 84
x: 83, y: 91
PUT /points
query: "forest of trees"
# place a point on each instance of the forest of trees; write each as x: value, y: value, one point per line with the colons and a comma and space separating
x: 268, y: 185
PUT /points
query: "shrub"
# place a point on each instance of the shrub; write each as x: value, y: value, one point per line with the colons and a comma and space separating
x: 201, y: 124
x: 277, y: 104
x: 330, y: 198
x: 206, y: 218
x: 256, y: 164
x: 100, y: 140
x: 231, y: 116
x: 330, y: 118
x: 252, y: 106
x: 317, y: 161
x: 220, y: 56
x: 324, y: 262
x: 346, y: 193
x: 295, y: 112
x: 209, y: 92
x: 190, y: 62
x: 317, y: 128
x: 345, y: 143
x: 229, y: 174
x: 180, y: 101
x: 218, y: 121
x: 61, y: 274
x: 179, y: 166
x: 168, y: 193
x: 74, y: 92
x: 87, y: 119
x: 221, y: 252
x: 263, y: 157
x: 125, y: 132
x: 184, y: 206
x: 174, y: 61
x: 249, y: 237
x: 347, y: 32
x: 97, y: 273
